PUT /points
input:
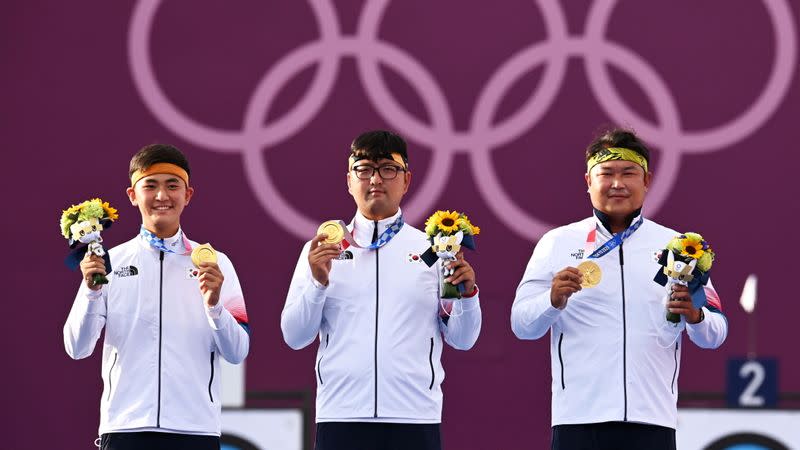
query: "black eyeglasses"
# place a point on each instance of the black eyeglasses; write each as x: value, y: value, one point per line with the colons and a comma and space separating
x: 387, y: 172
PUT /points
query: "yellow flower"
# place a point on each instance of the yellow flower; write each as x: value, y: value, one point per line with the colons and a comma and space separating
x: 430, y: 226
x: 68, y: 217
x: 110, y: 212
x: 94, y: 208
x: 466, y: 226
x: 71, y: 210
x: 692, y: 245
x: 447, y: 221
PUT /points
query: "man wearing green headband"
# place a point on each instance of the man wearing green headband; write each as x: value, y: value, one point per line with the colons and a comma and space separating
x: 614, y: 357
x: 374, y: 307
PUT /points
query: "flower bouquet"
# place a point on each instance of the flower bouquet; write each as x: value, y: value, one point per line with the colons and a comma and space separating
x: 448, y: 232
x: 687, y: 261
x: 82, y: 224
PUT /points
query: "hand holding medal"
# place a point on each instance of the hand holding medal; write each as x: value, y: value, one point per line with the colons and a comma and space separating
x: 591, y: 274
x: 333, y: 230
x: 204, y: 257
x: 203, y: 253
x: 332, y: 240
x: 325, y: 247
x: 587, y: 275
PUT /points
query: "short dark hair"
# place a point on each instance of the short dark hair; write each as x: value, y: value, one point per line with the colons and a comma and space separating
x: 618, y: 137
x: 378, y: 144
x: 158, y: 153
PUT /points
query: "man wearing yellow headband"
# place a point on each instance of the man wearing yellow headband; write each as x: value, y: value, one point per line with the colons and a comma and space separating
x: 590, y: 283
x: 375, y: 310
x: 167, y: 322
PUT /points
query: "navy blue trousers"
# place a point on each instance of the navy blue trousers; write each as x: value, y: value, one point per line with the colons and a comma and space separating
x: 377, y: 436
x: 613, y: 436
x: 157, y: 441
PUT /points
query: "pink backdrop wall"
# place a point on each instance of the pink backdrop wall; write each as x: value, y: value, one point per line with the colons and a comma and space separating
x: 496, y: 101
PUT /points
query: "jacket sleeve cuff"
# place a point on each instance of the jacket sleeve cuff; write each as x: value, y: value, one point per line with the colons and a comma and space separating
x: 315, y: 292
x: 699, y: 327
x: 222, y: 319
x: 474, y: 292
x: 552, y: 312
x: 94, y: 303
x: 215, y: 311
x: 470, y: 302
x: 94, y: 295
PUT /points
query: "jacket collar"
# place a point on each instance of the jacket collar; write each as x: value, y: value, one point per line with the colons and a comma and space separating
x: 602, y: 221
x: 362, y: 228
x: 174, y: 241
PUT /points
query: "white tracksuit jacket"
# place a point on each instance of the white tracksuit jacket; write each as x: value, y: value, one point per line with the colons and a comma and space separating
x: 162, y: 347
x: 380, y: 333
x: 607, y: 363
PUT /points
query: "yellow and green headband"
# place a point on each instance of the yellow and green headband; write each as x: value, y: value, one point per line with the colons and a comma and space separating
x: 616, y: 154
x: 397, y: 157
x: 167, y: 168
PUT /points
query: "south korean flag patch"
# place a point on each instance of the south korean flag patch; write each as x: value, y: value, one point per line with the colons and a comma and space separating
x: 192, y: 273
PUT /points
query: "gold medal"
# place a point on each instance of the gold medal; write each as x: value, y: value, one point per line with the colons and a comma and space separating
x: 204, y: 253
x: 591, y: 274
x: 333, y: 229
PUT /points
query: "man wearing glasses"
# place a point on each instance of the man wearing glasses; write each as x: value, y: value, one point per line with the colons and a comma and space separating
x: 376, y: 311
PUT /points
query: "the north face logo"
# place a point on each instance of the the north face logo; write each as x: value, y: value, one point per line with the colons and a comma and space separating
x: 126, y: 271
x: 347, y: 254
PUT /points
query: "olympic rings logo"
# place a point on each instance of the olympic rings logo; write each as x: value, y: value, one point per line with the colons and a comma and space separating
x: 369, y: 50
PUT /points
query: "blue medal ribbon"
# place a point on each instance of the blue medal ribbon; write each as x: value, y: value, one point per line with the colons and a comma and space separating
x: 158, y: 243
x: 616, y: 240
x: 387, y: 235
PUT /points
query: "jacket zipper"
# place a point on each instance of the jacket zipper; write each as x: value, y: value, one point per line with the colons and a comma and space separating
x: 624, y: 336
x: 211, y: 380
x: 109, y: 375
x: 675, y: 372
x: 561, y: 360
x: 319, y: 374
x: 375, y: 410
x: 160, y: 323
x: 430, y: 360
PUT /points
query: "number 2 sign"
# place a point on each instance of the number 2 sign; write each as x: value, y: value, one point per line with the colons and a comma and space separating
x: 752, y: 383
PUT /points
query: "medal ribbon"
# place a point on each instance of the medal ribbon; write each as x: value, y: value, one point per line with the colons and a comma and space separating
x: 158, y: 243
x: 387, y: 235
x: 612, y: 243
